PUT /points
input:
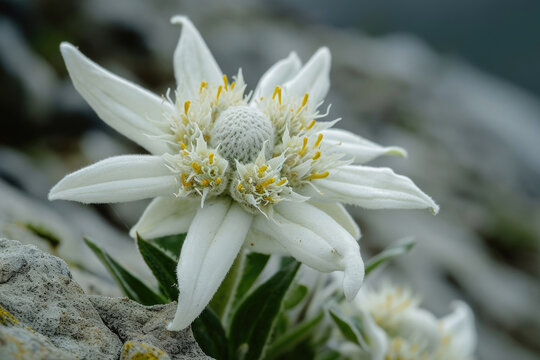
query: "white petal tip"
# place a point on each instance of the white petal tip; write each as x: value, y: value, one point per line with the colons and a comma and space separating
x: 68, y: 51
x: 323, y: 51
x: 179, y: 19
x: 65, y: 46
x: 293, y: 56
x: 434, y: 208
x: 171, y: 327
x: 353, y: 277
x: 398, y: 151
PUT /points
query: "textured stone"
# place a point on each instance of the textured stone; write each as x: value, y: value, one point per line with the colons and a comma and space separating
x: 21, y: 342
x: 147, y: 324
x: 38, y: 290
x: 133, y: 350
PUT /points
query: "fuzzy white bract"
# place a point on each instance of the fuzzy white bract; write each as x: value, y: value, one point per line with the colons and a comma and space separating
x: 234, y: 168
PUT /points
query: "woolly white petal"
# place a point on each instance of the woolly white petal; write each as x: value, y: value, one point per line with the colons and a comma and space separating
x: 313, y: 78
x: 316, y: 239
x: 166, y: 216
x: 372, y: 188
x: 193, y: 61
x: 460, y: 326
x: 419, y: 326
x: 277, y: 75
x: 124, y: 106
x: 341, y: 215
x: 212, y: 243
x: 117, y: 179
x: 257, y: 241
x: 302, y: 243
x: 362, y: 150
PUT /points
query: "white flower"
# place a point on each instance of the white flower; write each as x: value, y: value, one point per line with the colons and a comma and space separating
x: 236, y: 170
x: 396, y: 327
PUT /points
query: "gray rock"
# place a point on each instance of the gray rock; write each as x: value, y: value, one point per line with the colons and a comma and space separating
x: 146, y: 324
x: 38, y: 290
x: 21, y: 342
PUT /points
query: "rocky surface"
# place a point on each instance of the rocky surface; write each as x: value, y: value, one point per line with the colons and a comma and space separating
x: 19, y: 341
x: 44, y: 314
x: 146, y: 324
x: 133, y: 350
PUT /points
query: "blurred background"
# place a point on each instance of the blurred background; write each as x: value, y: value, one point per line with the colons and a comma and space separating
x: 455, y: 83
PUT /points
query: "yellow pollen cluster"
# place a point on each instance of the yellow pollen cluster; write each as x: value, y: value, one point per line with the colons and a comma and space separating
x: 295, y: 157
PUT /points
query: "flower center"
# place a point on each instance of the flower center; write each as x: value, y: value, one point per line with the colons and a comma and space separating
x: 241, y: 132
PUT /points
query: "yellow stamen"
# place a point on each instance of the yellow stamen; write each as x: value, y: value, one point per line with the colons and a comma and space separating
x: 305, y: 99
x: 218, y: 181
x: 283, y: 181
x: 319, y: 176
x: 183, y: 146
x: 268, y: 182
x: 233, y: 85
x: 196, y: 167
x: 269, y: 199
x: 220, y: 88
x: 277, y: 92
x: 311, y: 124
x: 317, y: 155
x: 204, y: 84
x: 187, y: 104
x: 304, y: 147
x: 319, y: 139
x: 211, y: 158
x: 239, y: 187
x: 262, y: 98
x: 262, y: 169
x: 183, y: 179
x: 226, y: 82
x: 204, y: 182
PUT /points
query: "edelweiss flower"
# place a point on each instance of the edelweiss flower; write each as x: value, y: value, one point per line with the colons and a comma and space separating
x: 233, y: 169
x: 396, y: 327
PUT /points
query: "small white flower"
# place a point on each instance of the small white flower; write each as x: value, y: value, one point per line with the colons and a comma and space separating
x: 234, y: 169
x: 396, y: 327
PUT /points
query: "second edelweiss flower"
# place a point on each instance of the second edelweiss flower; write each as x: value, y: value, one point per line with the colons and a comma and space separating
x: 236, y: 169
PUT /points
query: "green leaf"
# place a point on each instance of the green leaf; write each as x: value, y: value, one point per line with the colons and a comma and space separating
x: 254, y: 264
x: 172, y: 244
x: 328, y: 354
x: 253, y: 321
x: 134, y: 288
x: 162, y: 266
x: 293, y: 337
x: 43, y: 233
x: 398, y: 248
x: 295, y: 296
x: 210, y: 335
x: 348, y: 328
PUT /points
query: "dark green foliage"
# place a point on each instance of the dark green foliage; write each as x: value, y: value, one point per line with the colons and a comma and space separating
x: 254, y: 320
x: 162, y: 266
x: 134, y: 288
